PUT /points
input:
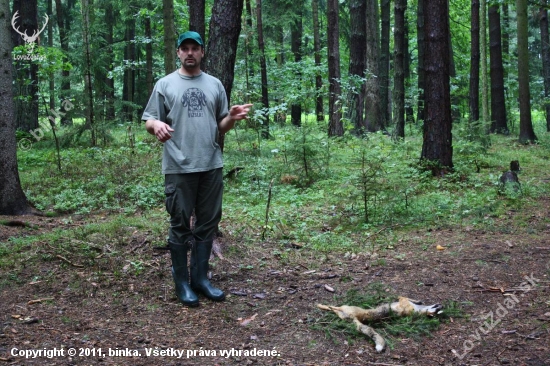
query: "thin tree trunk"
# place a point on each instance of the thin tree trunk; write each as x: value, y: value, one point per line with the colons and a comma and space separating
x: 420, y: 36
x: 357, y: 9
x: 385, y: 110
x: 474, y: 63
x: 170, y: 36
x: 319, y: 112
x: 483, y: 52
x: 373, y: 108
x: 335, y: 127
x: 263, y: 68
x: 505, y: 38
x: 99, y: 76
x: 506, y: 57
x: 296, y: 48
x: 64, y: 27
x: 526, y: 132
x: 149, y: 57
x: 498, y: 101
x: 12, y: 197
x: 110, y: 82
x: 399, y: 69
x: 88, y: 87
x: 128, y: 88
x: 545, y: 52
x: 279, y: 40
x: 51, y: 100
x: 248, y: 43
x: 196, y: 16
x: 409, y: 109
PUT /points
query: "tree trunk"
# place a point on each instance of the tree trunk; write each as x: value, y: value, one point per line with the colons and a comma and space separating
x: 279, y: 41
x: 385, y: 102
x: 399, y: 69
x: 526, y: 132
x: 358, y: 49
x: 409, y: 109
x: 498, y: 101
x: 437, y: 149
x: 335, y: 127
x: 51, y: 101
x: 248, y: 43
x: 372, y: 88
x: 505, y: 38
x: 12, y: 197
x: 420, y: 36
x: 319, y: 112
x: 483, y: 52
x: 196, y: 17
x: 225, y: 28
x: 110, y: 82
x: 296, y: 48
x: 26, y: 71
x: 452, y: 67
x: 263, y: 68
x: 64, y: 27
x: 545, y: 52
x: 99, y: 74
x: 170, y: 36
x: 474, y: 63
x: 87, y: 72
x: 128, y: 88
x: 149, y: 81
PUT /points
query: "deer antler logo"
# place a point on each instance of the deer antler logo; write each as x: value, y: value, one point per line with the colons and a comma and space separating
x: 32, y: 38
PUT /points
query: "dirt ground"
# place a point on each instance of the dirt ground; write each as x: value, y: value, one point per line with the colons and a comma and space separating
x: 500, y: 278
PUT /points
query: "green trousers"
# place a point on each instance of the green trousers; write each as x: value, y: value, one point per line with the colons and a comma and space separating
x: 202, y: 192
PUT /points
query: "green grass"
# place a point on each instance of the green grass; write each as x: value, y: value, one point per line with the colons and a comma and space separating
x: 328, y: 194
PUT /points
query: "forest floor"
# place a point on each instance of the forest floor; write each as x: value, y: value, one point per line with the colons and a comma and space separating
x: 120, y: 297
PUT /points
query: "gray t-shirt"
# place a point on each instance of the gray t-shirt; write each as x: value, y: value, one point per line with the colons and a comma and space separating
x: 192, y: 106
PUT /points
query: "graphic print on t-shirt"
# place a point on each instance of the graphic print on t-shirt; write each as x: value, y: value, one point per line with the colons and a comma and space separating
x: 194, y: 99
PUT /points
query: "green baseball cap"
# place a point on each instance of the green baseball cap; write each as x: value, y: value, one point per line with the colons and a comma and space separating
x: 194, y: 36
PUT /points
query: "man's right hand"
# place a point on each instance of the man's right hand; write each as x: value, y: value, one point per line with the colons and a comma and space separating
x: 160, y: 129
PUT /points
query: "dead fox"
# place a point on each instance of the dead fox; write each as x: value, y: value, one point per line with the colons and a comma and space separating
x: 360, y: 316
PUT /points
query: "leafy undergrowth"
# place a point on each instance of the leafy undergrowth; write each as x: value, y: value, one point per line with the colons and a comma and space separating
x: 326, y: 194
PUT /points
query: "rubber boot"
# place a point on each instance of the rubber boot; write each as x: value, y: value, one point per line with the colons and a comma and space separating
x: 180, y: 273
x: 200, y: 254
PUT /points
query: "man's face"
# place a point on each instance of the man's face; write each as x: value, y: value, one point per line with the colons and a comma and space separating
x: 190, y: 54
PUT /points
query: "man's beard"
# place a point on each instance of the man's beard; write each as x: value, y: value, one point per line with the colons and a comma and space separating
x: 190, y: 63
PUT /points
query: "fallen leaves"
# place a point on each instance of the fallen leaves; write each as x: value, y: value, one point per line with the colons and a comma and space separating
x: 25, y: 320
x: 238, y: 292
x: 37, y: 301
x: 245, y: 322
x: 328, y: 288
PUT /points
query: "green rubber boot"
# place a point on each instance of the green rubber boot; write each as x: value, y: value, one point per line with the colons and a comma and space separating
x: 180, y: 273
x: 200, y: 254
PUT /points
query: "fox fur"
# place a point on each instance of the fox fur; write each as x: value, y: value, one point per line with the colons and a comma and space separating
x: 360, y: 316
x: 510, y: 178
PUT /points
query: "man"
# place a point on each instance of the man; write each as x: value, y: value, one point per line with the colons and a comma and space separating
x: 186, y: 111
